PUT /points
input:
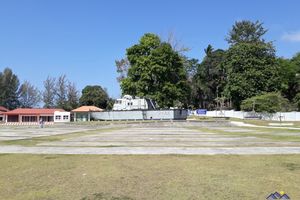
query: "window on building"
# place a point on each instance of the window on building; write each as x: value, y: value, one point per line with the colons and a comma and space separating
x: 29, y: 118
x: 65, y: 117
x: 47, y: 118
x: 57, y: 117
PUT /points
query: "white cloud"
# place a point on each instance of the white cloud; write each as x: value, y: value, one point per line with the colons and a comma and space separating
x: 291, y: 36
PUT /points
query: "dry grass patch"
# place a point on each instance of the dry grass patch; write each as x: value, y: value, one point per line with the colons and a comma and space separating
x: 88, y: 177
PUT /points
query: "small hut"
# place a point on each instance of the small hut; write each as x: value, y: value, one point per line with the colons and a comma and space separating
x: 83, y: 113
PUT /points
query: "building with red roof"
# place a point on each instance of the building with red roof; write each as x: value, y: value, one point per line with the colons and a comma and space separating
x: 31, y: 114
x: 83, y: 113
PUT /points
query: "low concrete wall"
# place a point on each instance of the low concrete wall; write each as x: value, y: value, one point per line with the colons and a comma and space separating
x: 117, y: 115
x: 141, y: 115
x: 279, y: 116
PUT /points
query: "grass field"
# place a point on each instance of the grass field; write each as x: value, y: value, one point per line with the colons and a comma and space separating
x: 83, y: 177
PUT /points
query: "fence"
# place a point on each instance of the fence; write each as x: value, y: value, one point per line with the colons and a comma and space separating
x: 24, y: 123
x: 279, y: 116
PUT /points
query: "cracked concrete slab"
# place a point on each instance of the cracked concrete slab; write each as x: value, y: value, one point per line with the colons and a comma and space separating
x: 148, y: 138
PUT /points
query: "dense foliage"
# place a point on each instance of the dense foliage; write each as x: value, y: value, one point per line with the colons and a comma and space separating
x: 246, y: 32
x: 94, y: 96
x: 251, y: 70
x: 9, y: 85
x: 156, y: 71
x: 269, y: 102
x: 209, y: 80
x: 224, y: 78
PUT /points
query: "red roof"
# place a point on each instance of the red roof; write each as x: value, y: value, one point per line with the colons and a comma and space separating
x: 3, y: 109
x: 87, y: 109
x: 33, y: 111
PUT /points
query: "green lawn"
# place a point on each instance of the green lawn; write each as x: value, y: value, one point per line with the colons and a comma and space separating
x: 53, y: 177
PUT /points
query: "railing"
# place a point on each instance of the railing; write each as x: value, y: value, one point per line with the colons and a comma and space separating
x: 25, y: 123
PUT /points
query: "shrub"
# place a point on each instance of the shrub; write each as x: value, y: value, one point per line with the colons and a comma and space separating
x: 269, y: 102
x: 296, y: 101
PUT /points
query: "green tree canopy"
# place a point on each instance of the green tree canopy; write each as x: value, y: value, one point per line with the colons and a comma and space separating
x: 268, y: 102
x: 94, y: 96
x: 296, y: 61
x: 290, y: 81
x: 296, y: 101
x: 246, y: 32
x: 251, y: 67
x: 210, y: 78
x: 156, y: 71
x: 9, y: 85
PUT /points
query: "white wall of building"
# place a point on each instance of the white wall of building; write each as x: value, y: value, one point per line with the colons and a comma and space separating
x: 140, y: 115
x: 62, y: 116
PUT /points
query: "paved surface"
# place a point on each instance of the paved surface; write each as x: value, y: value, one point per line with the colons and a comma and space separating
x: 16, y: 133
x: 150, y: 138
x: 151, y: 150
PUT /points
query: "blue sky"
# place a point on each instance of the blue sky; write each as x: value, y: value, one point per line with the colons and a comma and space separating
x: 83, y: 38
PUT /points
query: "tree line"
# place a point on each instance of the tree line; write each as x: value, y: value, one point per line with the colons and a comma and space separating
x: 248, y: 75
x: 56, y: 93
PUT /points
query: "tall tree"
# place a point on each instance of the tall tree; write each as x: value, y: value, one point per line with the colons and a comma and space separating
x: 175, y: 43
x: 49, y: 92
x: 61, y: 92
x: 156, y: 71
x: 251, y: 64
x: 29, y: 95
x: 122, y: 68
x: 295, y: 79
x: 246, y: 32
x: 94, y: 96
x: 9, y: 85
x: 191, y: 66
x: 210, y: 78
x: 290, y: 81
x: 72, y: 96
x: 296, y: 61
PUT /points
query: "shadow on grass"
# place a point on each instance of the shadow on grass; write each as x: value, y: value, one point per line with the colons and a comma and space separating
x: 102, y: 196
x: 292, y: 166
